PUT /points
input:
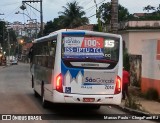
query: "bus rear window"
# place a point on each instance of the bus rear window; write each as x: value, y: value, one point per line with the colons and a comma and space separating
x: 90, y: 51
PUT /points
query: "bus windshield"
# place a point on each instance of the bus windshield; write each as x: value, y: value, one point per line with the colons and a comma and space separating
x: 97, y: 52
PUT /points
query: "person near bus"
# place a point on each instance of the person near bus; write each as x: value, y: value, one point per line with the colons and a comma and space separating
x: 125, y: 84
x: 30, y: 56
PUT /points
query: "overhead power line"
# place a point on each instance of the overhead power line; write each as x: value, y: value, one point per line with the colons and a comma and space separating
x: 94, y: 6
x: 92, y: 16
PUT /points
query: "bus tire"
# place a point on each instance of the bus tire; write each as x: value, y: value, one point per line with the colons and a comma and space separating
x: 96, y: 107
x: 32, y: 82
x: 36, y: 94
x: 43, y: 101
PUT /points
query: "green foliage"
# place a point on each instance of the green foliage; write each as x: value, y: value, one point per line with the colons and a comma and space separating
x: 13, y: 37
x: 154, y: 15
x: 148, y: 8
x: 126, y: 64
x: 95, y: 27
x: 123, y: 13
x: 4, y: 38
x: 132, y: 102
x: 135, y: 82
x: 73, y: 15
x: 151, y: 94
x: 54, y: 25
x: 105, y: 12
x: 3, y: 33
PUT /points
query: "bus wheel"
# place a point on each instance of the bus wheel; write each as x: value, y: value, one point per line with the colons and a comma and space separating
x: 96, y: 107
x: 36, y: 94
x: 32, y: 82
x: 44, y: 102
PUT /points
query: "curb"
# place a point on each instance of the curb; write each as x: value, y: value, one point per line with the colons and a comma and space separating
x: 139, y: 113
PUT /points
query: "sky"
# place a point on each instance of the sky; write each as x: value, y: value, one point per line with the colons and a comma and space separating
x: 52, y: 7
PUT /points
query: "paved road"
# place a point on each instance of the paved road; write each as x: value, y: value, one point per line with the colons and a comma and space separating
x: 16, y: 97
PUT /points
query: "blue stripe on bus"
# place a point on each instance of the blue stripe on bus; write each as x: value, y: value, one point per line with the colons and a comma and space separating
x: 73, y: 33
x: 73, y: 71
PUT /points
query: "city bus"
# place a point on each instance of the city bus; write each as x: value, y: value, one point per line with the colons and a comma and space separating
x: 78, y: 67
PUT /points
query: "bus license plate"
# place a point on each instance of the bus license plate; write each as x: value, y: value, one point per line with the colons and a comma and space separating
x: 88, y: 99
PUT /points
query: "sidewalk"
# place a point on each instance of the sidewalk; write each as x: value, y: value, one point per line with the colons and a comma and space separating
x: 147, y: 107
x: 3, y: 66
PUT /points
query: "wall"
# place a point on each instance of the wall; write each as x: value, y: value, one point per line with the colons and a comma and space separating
x: 133, y: 39
x: 150, y: 65
x: 144, y: 23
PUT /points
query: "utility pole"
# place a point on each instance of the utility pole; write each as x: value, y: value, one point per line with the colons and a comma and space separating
x: 41, y: 11
x: 114, y: 16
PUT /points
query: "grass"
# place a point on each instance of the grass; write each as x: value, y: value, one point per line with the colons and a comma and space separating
x: 133, y: 100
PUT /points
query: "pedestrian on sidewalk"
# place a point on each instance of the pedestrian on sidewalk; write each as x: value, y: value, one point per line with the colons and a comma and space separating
x: 125, y: 83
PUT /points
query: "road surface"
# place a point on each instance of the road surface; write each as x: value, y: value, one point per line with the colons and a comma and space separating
x: 17, y: 97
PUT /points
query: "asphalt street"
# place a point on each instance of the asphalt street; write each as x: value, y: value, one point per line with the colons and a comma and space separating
x: 17, y: 97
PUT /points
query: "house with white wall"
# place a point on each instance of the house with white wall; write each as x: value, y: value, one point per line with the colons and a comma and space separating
x: 142, y: 39
x: 150, y: 64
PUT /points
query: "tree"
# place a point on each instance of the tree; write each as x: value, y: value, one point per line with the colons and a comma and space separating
x: 158, y: 9
x: 73, y: 16
x: 148, y: 8
x: 13, y: 41
x: 154, y: 15
x: 123, y: 14
x: 48, y: 28
x: 54, y: 25
x: 105, y: 13
x: 3, y: 33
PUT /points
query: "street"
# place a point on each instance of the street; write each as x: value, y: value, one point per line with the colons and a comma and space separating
x: 17, y: 97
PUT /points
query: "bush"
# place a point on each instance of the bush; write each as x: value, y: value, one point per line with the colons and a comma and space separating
x: 133, y: 103
x: 152, y: 94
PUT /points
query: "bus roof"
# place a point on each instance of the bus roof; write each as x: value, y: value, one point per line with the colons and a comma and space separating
x: 72, y: 32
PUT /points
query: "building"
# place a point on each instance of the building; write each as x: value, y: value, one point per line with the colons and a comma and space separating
x: 133, y: 32
x: 25, y: 50
x: 26, y: 32
x: 144, y: 65
x: 150, y: 65
x: 29, y: 29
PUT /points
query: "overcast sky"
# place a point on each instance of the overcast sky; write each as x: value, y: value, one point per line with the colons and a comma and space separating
x: 52, y: 7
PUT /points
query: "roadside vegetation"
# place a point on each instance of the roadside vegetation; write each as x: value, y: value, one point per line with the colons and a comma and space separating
x: 151, y: 94
x: 135, y: 94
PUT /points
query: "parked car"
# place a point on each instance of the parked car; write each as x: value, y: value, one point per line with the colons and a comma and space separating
x: 14, y: 62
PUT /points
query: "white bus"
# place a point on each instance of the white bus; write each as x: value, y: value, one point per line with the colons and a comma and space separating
x: 78, y: 66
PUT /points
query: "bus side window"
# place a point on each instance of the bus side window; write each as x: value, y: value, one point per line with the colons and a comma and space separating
x: 31, y: 54
x: 51, y: 59
x: 44, y: 54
